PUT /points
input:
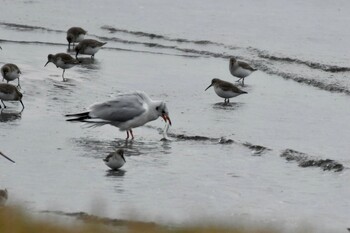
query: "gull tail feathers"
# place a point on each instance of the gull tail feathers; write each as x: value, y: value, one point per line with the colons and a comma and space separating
x: 94, y: 124
x: 79, y: 116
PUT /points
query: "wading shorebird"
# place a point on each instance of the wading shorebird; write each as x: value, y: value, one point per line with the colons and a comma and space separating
x: 225, y: 89
x: 240, y: 69
x: 6, y: 157
x: 63, y: 61
x: 75, y: 34
x: 9, y: 92
x: 3, y: 196
x: 115, y: 160
x: 89, y: 47
x: 126, y: 111
x: 10, y: 72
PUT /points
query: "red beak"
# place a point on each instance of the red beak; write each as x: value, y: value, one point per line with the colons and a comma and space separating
x: 166, y: 118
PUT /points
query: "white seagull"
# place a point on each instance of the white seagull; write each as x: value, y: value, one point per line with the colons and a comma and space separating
x: 126, y: 111
x: 115, y: 160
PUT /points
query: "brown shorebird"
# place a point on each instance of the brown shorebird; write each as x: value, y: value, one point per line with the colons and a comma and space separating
x: 75, y: 34
x: 115, y: 160
x: 9, y: 92
x: 63, y: 61
x: 240, y: 69
x: 10, y: 72
x: 225, y: 89
x: 89, y: 47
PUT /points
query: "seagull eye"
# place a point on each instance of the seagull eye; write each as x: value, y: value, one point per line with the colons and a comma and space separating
x: 157, y: 108
x: 163, y: 112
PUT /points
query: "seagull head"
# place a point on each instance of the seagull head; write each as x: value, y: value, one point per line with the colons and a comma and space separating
x: 162, y: 111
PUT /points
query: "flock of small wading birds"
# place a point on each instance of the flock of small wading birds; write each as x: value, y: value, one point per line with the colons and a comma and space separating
x: 126, y: 111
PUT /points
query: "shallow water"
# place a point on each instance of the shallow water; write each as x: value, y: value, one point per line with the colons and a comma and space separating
x: 223, y: 161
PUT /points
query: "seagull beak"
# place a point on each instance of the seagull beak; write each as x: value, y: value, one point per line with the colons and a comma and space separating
x: 166, y: 118
x: 123, y: 158
x: 46, y: 63
x: 7, y: 157
x: 208, y: 87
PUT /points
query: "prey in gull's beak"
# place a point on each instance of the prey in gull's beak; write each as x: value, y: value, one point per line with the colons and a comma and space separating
x: 166, y: 118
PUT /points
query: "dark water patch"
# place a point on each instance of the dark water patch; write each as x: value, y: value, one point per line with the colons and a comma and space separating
x: 31, y: 42
x: 305, y: 160
x: 311, y: 82
x: 226, y: 141
x: 101, y: 220
x: 24, y: 27
x: 7, y: 115
x: 100, y: 149
x: 191, y: 138
x: 227, y: 106
x: 158, y: 36
x: 150, y: 52
x: 313, y: 65
x: 115, y: 173
x: 257, y: 150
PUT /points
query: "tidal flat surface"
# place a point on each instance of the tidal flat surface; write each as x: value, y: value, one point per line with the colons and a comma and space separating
x: 223, y: 161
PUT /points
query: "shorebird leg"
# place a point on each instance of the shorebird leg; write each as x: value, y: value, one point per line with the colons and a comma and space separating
x: 243, y: 82
x: 22, y: 104
x: 19, y: 85
x: 127, y: 134
x: 3, y: 103
x: 63, y: 75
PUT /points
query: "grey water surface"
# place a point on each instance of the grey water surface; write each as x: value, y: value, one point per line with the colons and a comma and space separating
x: 278, y: 155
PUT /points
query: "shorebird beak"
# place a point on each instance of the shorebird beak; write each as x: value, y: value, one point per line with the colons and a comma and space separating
x: 46, y: 63
x: 7, y: 157
x: 208, y: 87
x: 166, y: 118
x: 123, y: 158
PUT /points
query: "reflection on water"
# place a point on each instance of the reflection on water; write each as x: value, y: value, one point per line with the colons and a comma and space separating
x: 7, y: 115
x: 99, y: 148
x: 227, y: 106
x: 115, y: 173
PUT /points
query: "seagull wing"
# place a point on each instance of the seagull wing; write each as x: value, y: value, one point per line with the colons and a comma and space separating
x: 121, y: 109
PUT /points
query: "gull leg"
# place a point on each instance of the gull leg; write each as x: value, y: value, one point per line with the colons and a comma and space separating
x: 239, y: 80
x: 132, y: 135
